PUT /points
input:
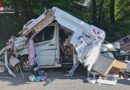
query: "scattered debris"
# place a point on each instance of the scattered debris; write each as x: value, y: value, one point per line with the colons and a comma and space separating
x: 111, y: 80
x: 31, y: 78
x: 125, y: 43
x: 91, y: 76
x: 128, y: 66
x: 38, y: 75
x: 103, y: 64
x: 2, y: 66
x: 13, y: 61
x: 120, y: 65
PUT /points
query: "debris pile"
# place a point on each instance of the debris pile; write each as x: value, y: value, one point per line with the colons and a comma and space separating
x: 107, y: 69
x: 38, y: 75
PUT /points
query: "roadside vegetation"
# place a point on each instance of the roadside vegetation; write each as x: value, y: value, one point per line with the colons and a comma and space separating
x: 113, y: 16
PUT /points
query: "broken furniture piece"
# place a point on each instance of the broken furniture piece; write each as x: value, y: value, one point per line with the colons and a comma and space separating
x: 111, y: 80
x: 120, y: 65
x: 103, y: 64
x: 94, y: 77
x: 91, y: 76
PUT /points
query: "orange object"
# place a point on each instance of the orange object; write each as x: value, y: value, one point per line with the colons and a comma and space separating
x: 95, y: 32
x: 115, y: 70
x: 120, y: 65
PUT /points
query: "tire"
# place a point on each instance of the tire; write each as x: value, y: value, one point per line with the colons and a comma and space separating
x: 24, y: 63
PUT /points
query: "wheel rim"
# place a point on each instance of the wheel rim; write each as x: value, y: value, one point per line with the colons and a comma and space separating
x: 26, y: 66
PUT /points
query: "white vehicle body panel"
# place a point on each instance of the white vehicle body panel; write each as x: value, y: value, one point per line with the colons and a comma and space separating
x: 46, y: 51
x: 87, y: 44
x: 85, y: 41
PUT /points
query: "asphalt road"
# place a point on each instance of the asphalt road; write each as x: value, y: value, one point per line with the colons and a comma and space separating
x: 57, y: 81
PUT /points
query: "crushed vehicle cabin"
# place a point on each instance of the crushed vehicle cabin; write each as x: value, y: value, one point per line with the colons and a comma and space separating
x: 58, y: 39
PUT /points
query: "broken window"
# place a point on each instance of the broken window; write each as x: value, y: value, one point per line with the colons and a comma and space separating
x: 46, y: 34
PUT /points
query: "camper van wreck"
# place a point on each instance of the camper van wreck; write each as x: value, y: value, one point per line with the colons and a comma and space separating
x: 59, y: 39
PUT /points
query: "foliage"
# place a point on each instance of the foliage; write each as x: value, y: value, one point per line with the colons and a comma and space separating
x: 28, y: 9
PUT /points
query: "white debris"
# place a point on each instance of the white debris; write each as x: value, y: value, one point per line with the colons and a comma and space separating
x: 111, y: 80
x: 13, y: 61
x: 6, y: 64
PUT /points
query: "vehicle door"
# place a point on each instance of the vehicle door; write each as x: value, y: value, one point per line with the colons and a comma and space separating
x: 45, y: 46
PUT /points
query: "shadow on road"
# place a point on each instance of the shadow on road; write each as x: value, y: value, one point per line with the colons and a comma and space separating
x: 57, y: 73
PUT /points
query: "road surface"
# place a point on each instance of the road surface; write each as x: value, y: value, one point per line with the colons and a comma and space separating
x: 57, y: 81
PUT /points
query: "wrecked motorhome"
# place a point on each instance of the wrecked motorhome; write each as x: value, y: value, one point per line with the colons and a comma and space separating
x: 57, y: 39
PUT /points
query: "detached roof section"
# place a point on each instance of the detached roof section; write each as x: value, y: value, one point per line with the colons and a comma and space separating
x: 38, y: 24
x: 63, y: 18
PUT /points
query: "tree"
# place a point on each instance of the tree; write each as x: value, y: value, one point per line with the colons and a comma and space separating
x: 112, y: 9
x: 113, y: 16
x: 94, y: 12
x: 100, y: 11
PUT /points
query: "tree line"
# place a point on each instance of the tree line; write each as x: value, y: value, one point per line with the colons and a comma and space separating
x: 113, y: 16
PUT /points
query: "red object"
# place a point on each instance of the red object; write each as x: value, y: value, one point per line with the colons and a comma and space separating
x: 98, y: 32
x: 1, y: 5
x: 99, y: 37
x: 54, y: 10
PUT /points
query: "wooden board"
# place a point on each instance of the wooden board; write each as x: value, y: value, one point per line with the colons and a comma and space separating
x: 115, y: 70
x: 120, y: 65
x: 43, y: 23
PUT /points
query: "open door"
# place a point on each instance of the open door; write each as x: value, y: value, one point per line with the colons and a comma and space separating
x: 45, y: 46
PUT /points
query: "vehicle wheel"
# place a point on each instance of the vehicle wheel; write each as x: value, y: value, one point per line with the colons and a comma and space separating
x: 24, y: 63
